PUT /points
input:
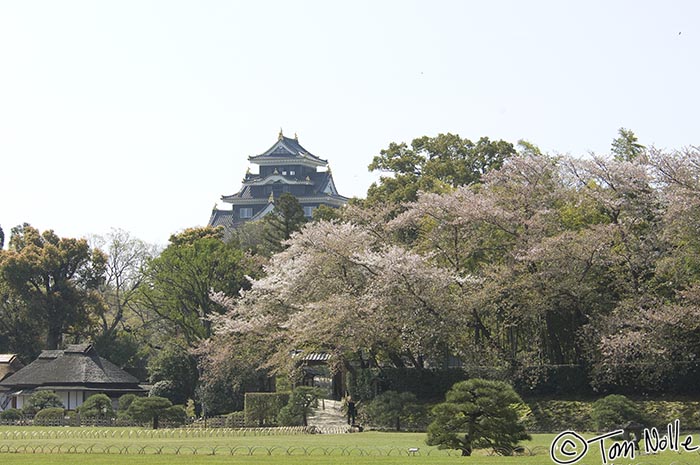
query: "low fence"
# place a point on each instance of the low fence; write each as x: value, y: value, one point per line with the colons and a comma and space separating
x: 211, y: 422
x: 176, y: 433
x: 250, y: 451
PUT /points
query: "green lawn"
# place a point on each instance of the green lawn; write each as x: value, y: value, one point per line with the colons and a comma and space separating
x: 71, y: 445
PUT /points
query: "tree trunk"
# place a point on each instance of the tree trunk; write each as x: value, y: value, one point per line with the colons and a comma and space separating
x: 467, y: 443
x: 53, y: 337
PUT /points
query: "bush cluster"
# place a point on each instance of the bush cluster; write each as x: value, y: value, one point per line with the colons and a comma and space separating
x: 262, y: 408
x: 48, y: 416
x: 11, y: 414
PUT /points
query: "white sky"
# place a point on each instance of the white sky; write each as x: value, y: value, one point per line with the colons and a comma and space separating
x: 139, y: 115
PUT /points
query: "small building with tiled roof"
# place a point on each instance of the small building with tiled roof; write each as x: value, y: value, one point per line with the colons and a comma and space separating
x: 286, y: 167
x: 75, y: 373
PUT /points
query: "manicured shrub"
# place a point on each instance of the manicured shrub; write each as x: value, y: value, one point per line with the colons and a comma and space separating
x: 97, y: 406
x: 41, y: 400
x: 148, y: 409
x: 48, y: 416
x: 11, y: 414
x: 175, y: 415
x: 235, y: 420
x: 614, y: 411
x: 478, y: 414
x: 125, y: 401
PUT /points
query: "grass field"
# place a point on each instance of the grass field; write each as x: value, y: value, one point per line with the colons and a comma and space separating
x: 36, y: 445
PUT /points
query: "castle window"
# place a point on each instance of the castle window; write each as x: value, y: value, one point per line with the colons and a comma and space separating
x: 246, y: 212
x: 291, y: 173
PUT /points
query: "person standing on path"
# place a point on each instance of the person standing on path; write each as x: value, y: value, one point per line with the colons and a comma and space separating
x: 352, y: 411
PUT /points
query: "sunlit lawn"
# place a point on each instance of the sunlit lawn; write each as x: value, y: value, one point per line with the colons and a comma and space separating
x: 36, y: 447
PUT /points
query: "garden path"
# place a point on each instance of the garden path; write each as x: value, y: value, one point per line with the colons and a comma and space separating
x: 329, y: 416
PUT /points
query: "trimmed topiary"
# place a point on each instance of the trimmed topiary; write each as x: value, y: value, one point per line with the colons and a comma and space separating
x: 41, y: 400
x: 97, y: 406
x: 11, y: 414
x: 125, y: 401
x: 49, y: 416
x: 614, y: 411
x: 175, y: 415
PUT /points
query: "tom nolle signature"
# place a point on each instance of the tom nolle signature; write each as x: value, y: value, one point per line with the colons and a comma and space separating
x: 569, y: 447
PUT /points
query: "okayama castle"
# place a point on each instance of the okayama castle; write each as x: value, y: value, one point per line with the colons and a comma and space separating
x: 286, y: 167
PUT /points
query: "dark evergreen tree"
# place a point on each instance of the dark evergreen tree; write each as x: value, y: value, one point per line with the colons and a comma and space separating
x: 478, y: 414
x: 285, y: 219
x: 626, y: 147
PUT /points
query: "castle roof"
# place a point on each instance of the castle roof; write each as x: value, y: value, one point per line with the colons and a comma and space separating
x: 287, y: 150
x: 322, y: 183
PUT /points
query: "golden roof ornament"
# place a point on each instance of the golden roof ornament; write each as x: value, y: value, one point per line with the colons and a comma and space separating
x: 280, y: 136
x: 296, y: 138
x: 276, y: 172
x: 271, y: 199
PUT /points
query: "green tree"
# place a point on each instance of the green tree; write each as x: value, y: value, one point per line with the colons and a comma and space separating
x: 56, y: 277
x: 626, y: 147
x: 41, y: 400
x: 391, y: 408
x: 478, y: 414
x: 250, y: 237
x: 178, y: 283
x: 20, y: 332
x: 2, y: 238
x: 326, y: 213
x: 97, y: 406
x: 301, y: 403
x: 434, y: 164
x: 174, y: 365
x: 285, y: 219
x: 148, y: 409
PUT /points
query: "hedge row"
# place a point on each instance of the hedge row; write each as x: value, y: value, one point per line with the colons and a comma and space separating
x: 558, y: 415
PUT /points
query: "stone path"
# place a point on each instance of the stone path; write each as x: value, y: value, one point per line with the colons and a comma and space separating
x: 329, y: 417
